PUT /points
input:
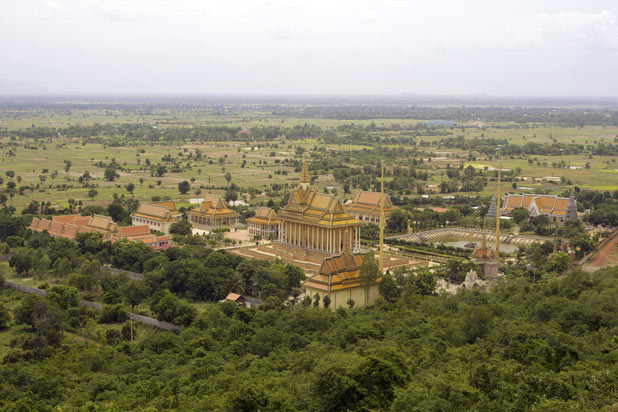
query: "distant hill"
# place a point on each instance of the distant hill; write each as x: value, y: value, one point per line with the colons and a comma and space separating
x: 18, y: 88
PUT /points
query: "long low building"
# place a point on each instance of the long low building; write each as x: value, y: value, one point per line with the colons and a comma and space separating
x: 558, y: 209
x: 69, y: 226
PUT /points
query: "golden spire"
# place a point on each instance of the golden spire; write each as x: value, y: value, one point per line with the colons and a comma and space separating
x: 304, y: 176
x: 381, y: 261
x: 498, y: 212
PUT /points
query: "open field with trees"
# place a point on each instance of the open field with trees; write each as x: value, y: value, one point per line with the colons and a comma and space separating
x: 59, y: 152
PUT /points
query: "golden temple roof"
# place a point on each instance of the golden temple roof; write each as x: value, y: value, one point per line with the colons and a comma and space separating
x: 369, y: 203
x: 158, y: 211
x: 338, y: 273
x: 306, y: 205
x: 213, y: 206
x: 546, y: 204
x: 264, y: 216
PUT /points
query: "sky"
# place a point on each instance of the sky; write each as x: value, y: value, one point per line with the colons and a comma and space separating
x: 438, y: 47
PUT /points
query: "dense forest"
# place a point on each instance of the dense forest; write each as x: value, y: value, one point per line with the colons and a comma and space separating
x: 544, y: 346
x: 543, y: 338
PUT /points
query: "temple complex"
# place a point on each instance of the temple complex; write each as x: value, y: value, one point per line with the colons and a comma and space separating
x: 212, y: 213
x: 264, y: 224
x: 159, y: 216
x: 316, y: 234
x: 365, y: 206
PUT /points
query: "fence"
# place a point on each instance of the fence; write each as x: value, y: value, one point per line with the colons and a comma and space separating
x: 97, y: 306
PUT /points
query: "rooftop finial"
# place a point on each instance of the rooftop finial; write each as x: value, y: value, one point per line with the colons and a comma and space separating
x: 304, y: 176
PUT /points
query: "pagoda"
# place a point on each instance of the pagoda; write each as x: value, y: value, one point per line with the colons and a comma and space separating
x: 316, y: 222
x: 571, y: 212
x: 486, y: 258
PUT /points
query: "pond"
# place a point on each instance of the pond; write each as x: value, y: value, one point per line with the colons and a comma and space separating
x: 460, y: 242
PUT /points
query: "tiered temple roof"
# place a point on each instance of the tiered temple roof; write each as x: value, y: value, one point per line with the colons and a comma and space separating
x: 369, y: 203
x: 264, y: 216
x: 338, y: 272
x: 307, y: 206
x: 160, y: 211
x: 213, y: 206
x: 538, y: 204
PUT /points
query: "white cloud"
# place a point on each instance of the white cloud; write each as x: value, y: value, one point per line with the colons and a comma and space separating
x: 573, y: 29
x: 333, y: 46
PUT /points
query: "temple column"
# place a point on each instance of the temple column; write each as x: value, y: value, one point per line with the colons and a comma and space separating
x: 312, y: 242
x: 339, y: 240
x: 326, y: 241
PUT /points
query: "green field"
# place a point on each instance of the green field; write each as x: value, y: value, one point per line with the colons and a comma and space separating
x: 260, y: 170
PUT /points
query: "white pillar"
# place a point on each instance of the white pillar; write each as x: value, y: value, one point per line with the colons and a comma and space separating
x: 328, y: 240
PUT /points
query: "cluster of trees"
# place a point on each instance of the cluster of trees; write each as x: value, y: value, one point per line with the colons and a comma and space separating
x: 603, y: 205
x: 193, y: 271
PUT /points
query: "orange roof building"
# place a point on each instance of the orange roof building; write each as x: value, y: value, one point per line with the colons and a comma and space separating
x: 236, y: 298
x: 365, y: 206
x: 68, y: 226
x: 264, y: 224
x: 550, y: 205
x: 339, y: 278
x: 315, y: 221
x: 142, y: 234
x: 159, y: 216
x: 212, y: 213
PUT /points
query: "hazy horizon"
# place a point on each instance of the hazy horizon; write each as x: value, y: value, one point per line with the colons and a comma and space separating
x: 385, y: 48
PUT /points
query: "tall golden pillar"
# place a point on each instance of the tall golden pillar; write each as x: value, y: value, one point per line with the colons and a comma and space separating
x: 498, y: 212
x: 381, y: 261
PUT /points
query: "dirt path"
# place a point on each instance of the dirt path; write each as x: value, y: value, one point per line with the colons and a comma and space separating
x: 607, y: 255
